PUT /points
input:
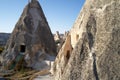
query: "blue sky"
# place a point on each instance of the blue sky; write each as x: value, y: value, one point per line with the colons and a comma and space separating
x: 60, y: 14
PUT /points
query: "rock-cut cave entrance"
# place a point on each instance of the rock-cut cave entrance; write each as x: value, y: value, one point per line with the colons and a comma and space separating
x: 22, y: 48
x: 68, y: 55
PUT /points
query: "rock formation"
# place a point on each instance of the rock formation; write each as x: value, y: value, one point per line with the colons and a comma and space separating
x: 57, y: 36
x: 62, y: 57
x: 59, y: 40
x: 3, y: 38
x: 31, y: 42
x: 95, y: 39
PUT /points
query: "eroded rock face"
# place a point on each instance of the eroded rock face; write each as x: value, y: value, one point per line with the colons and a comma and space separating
x: 62, y: 58
x: 95, y: 38
x: 32, y: 38
x: 3, y: 38
x: 60, y: 39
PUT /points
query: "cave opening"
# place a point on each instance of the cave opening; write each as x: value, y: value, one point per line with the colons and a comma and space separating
x: 68, y: 55
x: 22, y: 48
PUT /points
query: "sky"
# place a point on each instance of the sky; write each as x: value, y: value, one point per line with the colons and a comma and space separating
x: 60, y: 14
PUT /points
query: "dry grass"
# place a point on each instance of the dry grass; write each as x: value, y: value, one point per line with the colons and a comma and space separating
x: 20, y: 75
x: 43, y: 72
x: 27, y: 75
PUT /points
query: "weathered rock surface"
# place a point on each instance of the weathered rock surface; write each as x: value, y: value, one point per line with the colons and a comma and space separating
x: 57, y: 36
x: 95, y: 38
x: 62, y: 57
x: 59, y: 39
x: 3, y: 38
x: 31, y: 42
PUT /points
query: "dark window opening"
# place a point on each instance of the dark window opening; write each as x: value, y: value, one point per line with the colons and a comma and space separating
x: 0, y: 51
x: 68, y: 55
x: 22, y: 48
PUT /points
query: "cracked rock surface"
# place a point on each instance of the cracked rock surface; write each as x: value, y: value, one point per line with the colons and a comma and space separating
x: 31, y: 43
x: 95, y: 38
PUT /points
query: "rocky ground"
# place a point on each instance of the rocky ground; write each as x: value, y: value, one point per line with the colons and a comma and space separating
x: 45, y: 77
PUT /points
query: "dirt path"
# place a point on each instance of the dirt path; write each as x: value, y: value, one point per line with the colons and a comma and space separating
x: 45, y: 77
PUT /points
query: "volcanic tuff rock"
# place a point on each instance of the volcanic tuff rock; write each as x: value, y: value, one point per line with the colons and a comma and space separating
x: 62, y: 57
x: 59, y: 39
x: 95, y: 38
x: 31, y: 40
x: 3, y: 38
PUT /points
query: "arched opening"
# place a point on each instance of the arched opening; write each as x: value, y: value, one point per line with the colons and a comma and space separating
x: 0, y: 51
x: 68, y: 55
x: 22, y: 48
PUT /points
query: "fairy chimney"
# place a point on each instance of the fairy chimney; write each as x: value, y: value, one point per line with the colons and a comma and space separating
x: 31, y: 37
